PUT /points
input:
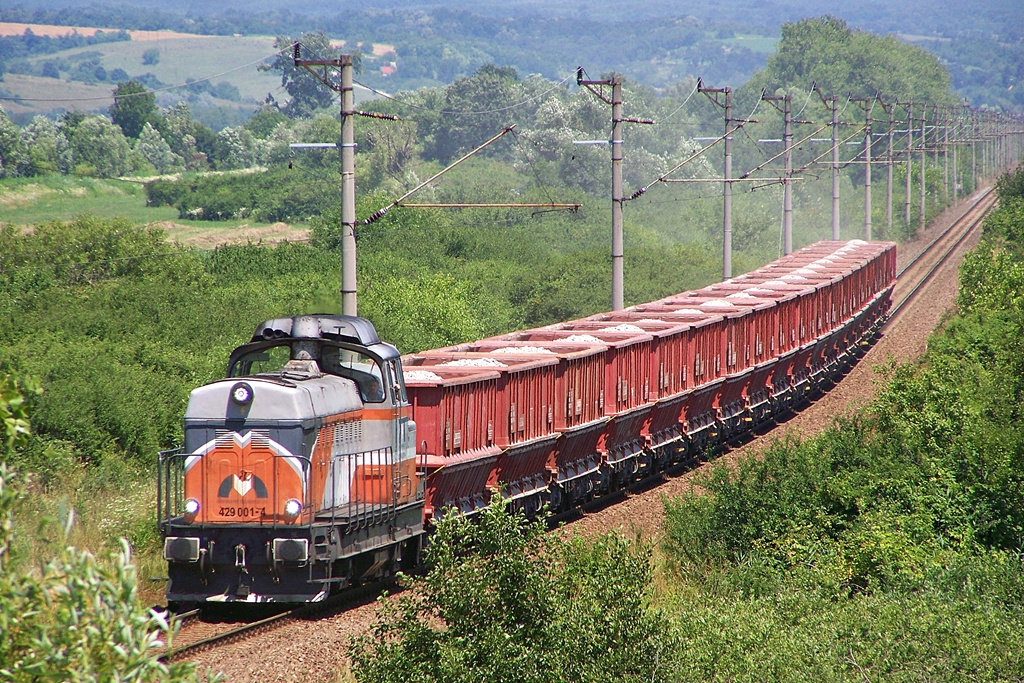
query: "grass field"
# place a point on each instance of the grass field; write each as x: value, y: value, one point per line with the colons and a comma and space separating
x: 218, y: 58
x: 182, y: 57
x: 26, y: 202
x: 43, y: 95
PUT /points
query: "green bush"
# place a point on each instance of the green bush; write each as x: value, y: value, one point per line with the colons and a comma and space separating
x: 280, y: 194
x: 505, y: 602
x: 889, y: 546
x: 74, y: 618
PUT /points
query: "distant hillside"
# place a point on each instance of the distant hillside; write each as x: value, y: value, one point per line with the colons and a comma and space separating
x: 658, y: 44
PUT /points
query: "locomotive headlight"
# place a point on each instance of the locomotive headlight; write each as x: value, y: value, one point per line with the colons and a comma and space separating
x: 292, y: 508
x: 191, y: 509
x: 241, y: 394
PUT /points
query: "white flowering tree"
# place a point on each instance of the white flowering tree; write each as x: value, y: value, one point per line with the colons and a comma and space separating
x: 156, y: 151
x: 44, y: 144
x: 99, y: 148
x: 13, y: 155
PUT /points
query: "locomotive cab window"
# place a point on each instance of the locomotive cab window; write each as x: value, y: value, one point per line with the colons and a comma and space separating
x: 261, y: 361
x: 358, y: 367
x: 397, y: 379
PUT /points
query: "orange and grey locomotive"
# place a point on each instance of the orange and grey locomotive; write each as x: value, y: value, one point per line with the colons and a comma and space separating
x: 298, y: 474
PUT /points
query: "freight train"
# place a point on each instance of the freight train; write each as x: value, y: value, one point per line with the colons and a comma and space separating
x: 323, y: 457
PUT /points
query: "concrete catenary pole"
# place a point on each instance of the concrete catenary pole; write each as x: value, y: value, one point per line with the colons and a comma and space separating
x: 348, y: 190
x: 924, y: 159
x: 835, y: 167
x: 888, y: 170
x: 945, y: 155
x: 727, y: 175
x: 727, y: 191
x: 867, y: 168
x: 910, y: 163
x: 787, y: 188
x: 617, y: 248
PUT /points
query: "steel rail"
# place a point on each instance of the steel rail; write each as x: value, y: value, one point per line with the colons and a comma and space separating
x: 972, y: 219
x: 343, y: 600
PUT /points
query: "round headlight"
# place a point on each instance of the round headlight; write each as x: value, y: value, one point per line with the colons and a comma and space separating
x: 241, y: 394
x: 292, y: 508
x: 191, y: 507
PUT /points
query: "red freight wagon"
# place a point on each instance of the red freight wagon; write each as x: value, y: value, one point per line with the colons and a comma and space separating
x: 749, y: 323
x: 703, y: 370
x: 580, y: 421
x: 627, y: 384
x: 523, y: 425
x: 526, y: 409
x: 579, y: 376
x: 669, y: 337
x: 452, y: 408
x: 782, y: 346
x: 669, y: 367
x: 627, y: 370
x: 667, y: 362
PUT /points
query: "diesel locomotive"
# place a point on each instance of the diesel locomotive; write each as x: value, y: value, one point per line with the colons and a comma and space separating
x: 298, y: 475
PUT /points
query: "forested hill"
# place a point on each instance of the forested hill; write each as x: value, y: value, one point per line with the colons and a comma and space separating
x: 655, y: 44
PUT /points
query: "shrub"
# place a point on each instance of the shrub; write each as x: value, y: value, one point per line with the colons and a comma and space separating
x: 504, y: 602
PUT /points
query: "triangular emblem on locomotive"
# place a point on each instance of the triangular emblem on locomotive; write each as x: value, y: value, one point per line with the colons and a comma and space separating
x: 242, y: 485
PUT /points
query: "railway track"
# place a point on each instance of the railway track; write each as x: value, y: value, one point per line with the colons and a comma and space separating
x: 233, y: 633
x: 911, y: 278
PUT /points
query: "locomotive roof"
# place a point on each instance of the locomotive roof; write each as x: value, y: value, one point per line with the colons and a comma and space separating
x: 345, y: 328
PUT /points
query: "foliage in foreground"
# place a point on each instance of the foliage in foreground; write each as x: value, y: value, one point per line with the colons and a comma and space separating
x: 889, y: 546
x: 504, y: 602
x: 76, y: 618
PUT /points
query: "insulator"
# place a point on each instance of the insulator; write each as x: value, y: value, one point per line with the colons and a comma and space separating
x: 377, y: 215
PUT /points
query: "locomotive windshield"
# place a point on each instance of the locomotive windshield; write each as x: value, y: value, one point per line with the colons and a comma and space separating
x: 361, y: 368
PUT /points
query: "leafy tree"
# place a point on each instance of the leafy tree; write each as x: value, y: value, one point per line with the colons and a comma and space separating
x: 180, y: 130
x: 45, y: 144
x: 307, y: 92
x: 477, y: 109
x: 826, y: 51
x: 100, y: 148
x: 503, y: 601
x: 151, y: 57
x: 239, y: 149
x: 133, y: 107
x: 264, y: 121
